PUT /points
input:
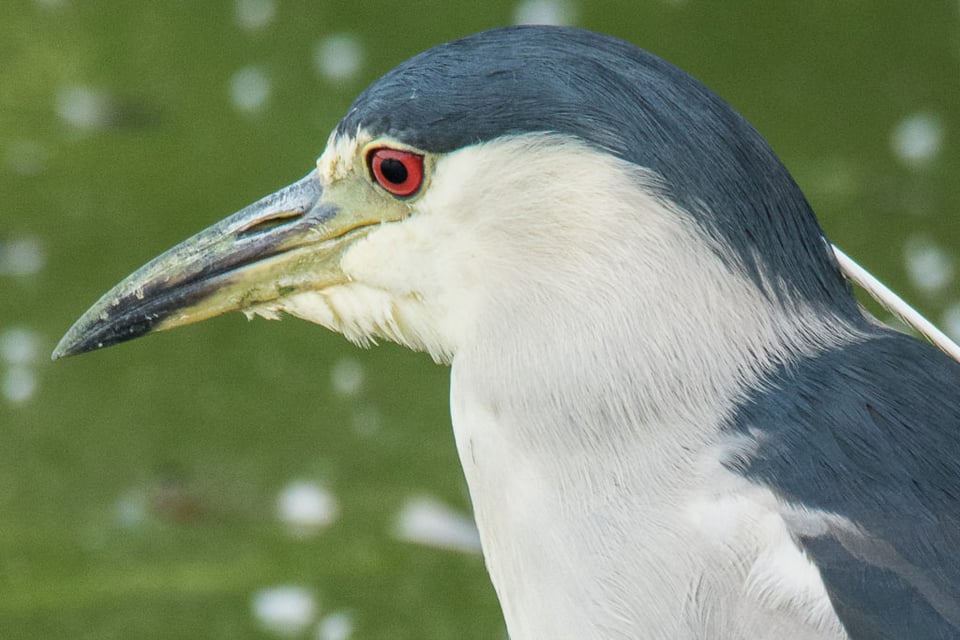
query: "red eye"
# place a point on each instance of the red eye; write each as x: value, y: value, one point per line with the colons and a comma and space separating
x: 399, y: 172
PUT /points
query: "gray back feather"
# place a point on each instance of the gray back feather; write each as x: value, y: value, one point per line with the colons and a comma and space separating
x: 871, y: 433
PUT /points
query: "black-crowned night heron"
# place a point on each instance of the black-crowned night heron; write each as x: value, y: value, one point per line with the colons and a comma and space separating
x: 674, y: 418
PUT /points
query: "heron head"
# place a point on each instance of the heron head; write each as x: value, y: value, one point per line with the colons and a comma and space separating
x: 521, y: 168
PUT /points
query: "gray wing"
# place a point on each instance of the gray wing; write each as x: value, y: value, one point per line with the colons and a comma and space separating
x: 870, y: 433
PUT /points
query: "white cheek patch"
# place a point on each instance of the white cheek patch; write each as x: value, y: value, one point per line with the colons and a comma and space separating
x: 384, y: 258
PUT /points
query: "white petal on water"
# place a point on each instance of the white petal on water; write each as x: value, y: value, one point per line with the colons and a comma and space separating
x: 424, y: 520
x: 21, y: 256
x: 335, y: 626
x: 26, y: 157
x: 347, y: 376
x: 250, y: 89
x: 835, y: 177
x: 338, y: 57
x: 285, y: 610
x: 19, y: 345
x: 19, y: 384
x: 131, y: 509
x: 917, y: 139
x: 555, y: 12
x: 255, y: 14
x: 83, y: 107
x: 951, y: 321
x: 306, y: 507
x: 366, y: 420
x: 929, y: 267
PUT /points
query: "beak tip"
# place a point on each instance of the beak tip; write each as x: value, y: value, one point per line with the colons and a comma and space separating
x: 73, y: 343
x: 95, y: 331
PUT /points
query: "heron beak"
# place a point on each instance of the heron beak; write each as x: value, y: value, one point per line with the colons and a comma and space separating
x: 287, y: 242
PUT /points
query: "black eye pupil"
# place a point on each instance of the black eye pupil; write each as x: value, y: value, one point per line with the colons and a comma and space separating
x: 393, y: 170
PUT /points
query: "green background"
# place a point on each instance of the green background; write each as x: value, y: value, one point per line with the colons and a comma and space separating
x: 138, y: 485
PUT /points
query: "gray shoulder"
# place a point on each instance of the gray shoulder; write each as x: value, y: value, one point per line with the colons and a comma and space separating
x: 870, y: 434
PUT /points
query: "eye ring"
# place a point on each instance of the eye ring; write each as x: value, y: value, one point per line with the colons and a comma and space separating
x: 398, y: 172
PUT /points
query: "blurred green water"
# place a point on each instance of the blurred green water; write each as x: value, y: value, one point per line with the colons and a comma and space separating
x: 138, y: 486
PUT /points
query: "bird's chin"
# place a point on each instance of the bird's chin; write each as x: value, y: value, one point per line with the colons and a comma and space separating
x: 364, y: 315
x: 359, y: 313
